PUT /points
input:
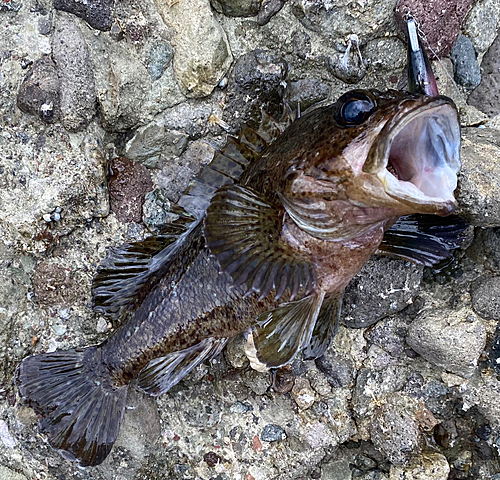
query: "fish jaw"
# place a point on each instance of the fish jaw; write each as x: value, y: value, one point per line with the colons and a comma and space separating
x: 416, y: 159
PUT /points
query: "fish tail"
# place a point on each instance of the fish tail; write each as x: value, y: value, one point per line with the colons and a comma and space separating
x: 80, y: 409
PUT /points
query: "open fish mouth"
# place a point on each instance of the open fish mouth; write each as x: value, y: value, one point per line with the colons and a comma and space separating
x: 421, y: 156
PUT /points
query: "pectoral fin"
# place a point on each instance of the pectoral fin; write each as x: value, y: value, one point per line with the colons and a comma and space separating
x: 242, y: 229
x: 280, y: 334
x: 325, y: 328
x: 424, y: 239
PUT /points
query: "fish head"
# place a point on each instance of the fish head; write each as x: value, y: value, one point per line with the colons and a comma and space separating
x: 381, y: 155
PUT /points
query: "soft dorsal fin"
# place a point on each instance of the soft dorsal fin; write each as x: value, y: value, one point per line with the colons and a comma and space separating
x: 242, y: 230
x: 326, y: 327
x: 162, y: 373
x: 424, y: 239
x: 280, y: 334
x: 127, y: 272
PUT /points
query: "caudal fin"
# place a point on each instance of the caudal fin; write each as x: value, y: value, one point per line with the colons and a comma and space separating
x: 80, y: 410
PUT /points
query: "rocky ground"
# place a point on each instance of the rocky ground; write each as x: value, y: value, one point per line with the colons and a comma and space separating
x: 408, y: 390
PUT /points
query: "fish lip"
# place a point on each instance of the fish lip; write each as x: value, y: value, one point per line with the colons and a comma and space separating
x: 443, y: 134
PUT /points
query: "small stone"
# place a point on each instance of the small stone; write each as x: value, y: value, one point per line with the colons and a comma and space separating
x: 44, y: 25
x: 75, y: 71
x: 237, y: 8
x: 5, y: 436
x: 202, y: 52
x: 47, y: 217
x: 348, y: 66
x: 239, y: 407
x: 448, y: 339
x: 337, y: 367
x: 394, y: 429
x: 272, y: 433
x: 306, y: 93
x: 485, y: 294
x: 156, y: 210
x: 383, y: 287
x: 235, y: 353
x: 102, y: 325
x: 60, y: 330
x: 303, y: 394
x: 211, y: 459
x: 485, y: 248
x: 428, y: 466
x: 128, y: 184
x: 485, y: 96
x: 97, y: 13
x: 260, y: 69
x: 465, y: 66
x: 268, y: 9
x: 160, y: 57
x: 39, y: 92
x: 479, y: 177
x: 116, y: 32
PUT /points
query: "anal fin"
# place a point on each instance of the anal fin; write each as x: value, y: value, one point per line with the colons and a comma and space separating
x: 162, y: 373
x: 326, y: 327
x: 281, y: 333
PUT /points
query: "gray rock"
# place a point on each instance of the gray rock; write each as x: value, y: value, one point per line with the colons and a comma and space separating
x: 97, y: 13
x: 39, y: 92
x: 348, y: 65
x: 199, y: 65
x: 44, y: 25
x: 450, y: 339
x: 272, y: 433
x: 268, y: 9
x: 394, y: 430
x: 428, y: 466
x: 485, y: 96
x: 482, y: 23
x: 71, y: 55
x: 485, y: 293
x: 8, y: 474
x: 466, y: 68
x: 337, y: 367
x: 485, y: 247
x: 260, y: 69
x: 383, y: 287
x: 160, y: 57
x: 153, y: 142
x: 237, y: 8
x: 156, y: 210
x: 306, y: 92
x: 478, y: 193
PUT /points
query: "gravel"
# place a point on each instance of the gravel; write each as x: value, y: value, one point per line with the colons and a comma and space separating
x: 163, y: 88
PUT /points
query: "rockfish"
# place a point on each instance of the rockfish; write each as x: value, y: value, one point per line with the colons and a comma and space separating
x: 266, y: 240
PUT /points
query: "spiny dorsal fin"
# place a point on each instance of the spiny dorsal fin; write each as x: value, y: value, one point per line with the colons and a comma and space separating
x: 281, y: 333
x: 326, y: 327
x: 162, y: 373
x: 242, y: 230
x: 424, y: 239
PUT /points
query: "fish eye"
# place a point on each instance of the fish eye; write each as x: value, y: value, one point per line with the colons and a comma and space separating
x: 354, y: 108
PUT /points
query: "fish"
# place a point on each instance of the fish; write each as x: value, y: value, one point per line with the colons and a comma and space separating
x: 264, y: 242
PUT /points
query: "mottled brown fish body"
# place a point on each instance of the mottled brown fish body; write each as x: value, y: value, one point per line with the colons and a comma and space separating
x: 267, y: 238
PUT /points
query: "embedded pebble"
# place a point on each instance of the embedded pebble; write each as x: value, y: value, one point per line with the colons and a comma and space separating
x: 268, y: 9
x: 306, y: 92
x: 302, y: 393
x: 478, y: 194
x: 485, y: 294
x: 395, y: 431
x: 128, y: 184
x: 198, y: 65
x: 465, y: 66
x: 383, y: 287
x: 450, y: 339
x: 160, y: 57
x: 337, y: 367
x: 74, y: 68
x: 485, y: 96
x: 97, y: 13
x: 39, y: 92
x: 235, y: 353
x: 272, y: 433
x: 428, y: 466
x: 156, y: 210
x: 237, y: 8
